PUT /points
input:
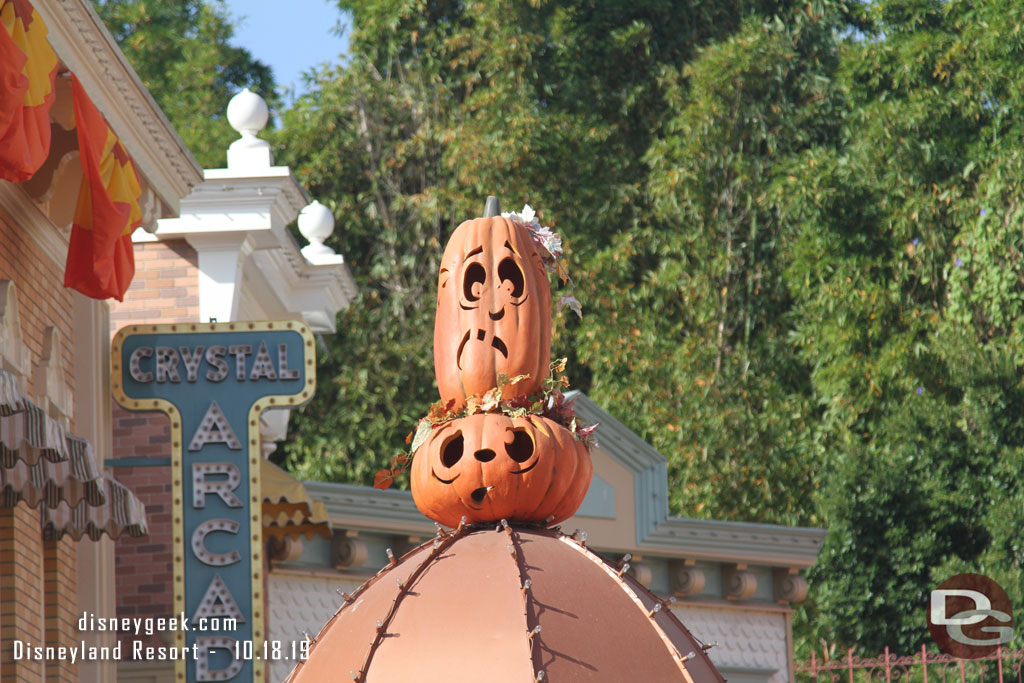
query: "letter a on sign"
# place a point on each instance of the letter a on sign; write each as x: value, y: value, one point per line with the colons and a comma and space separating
x: 214, y: 429
x: 218, y: 602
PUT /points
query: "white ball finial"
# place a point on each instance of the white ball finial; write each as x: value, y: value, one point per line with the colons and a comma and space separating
x: 316, y: 223
x: 248, y: 113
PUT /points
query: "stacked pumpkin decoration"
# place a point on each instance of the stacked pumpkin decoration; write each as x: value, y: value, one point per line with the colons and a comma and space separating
x: 498, y: 445
x: 502, y: 445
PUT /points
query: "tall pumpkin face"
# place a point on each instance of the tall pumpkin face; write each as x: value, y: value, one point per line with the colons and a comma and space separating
x: 493, y: 311
x: 489, y: 467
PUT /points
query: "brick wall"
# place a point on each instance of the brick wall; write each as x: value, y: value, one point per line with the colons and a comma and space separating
x: 165, y: 290
x: 27, y: 601
x: 21, y: 591
x: 61, y: 606
x: 42, y: 299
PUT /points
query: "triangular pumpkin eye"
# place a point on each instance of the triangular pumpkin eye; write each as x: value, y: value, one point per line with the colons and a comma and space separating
x: 521, y: 448
x: 451, y: 451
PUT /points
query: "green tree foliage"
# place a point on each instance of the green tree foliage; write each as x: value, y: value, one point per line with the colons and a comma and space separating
x: 440, y: 105
x: 795, y: 227
x: 906, y: 278
x: 182, y: 52
x: 694, y: 296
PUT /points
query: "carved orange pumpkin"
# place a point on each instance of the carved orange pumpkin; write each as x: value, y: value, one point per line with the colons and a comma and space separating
x: 493, y: 311
x: 489, y: 467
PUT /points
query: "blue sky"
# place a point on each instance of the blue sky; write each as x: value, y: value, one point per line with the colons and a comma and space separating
x: 292, y: 37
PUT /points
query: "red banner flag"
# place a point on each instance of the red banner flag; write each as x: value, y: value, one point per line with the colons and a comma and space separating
x: 28, y: 66
x: 101, y: 263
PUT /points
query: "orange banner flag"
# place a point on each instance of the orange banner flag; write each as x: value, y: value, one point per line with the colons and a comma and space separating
x: 28, y: 66
x: 101, y: 262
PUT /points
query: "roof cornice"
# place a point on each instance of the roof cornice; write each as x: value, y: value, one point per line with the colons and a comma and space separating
x: 364, y: 507
x: 393, y: 511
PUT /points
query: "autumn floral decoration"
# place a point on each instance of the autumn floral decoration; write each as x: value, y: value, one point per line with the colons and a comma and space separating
x: 549, y: 402
x: 549, y: 245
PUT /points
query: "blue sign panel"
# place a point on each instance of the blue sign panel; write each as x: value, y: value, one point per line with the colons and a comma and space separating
x: 214, y: 380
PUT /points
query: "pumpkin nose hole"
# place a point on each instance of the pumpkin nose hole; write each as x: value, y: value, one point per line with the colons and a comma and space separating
x: 478, y: 495
x: 484, y: 455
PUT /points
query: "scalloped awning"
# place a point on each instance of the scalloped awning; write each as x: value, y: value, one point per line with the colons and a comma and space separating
x: 123, y: 513
x: 288, y: 509
x: 45, y: 466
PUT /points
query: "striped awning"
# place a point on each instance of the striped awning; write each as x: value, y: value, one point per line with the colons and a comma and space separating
x: 123, y: 513
x: 288, y: 509
x: 71, y: 481
x: 45, y: 466
x: 29, y: 434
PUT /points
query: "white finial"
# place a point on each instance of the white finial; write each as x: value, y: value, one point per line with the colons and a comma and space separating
x: 248, y: 114
x: 316, y: 223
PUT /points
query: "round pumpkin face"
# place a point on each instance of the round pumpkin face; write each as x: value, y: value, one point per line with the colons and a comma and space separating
x: 489, y: 467
x: 493, y: 311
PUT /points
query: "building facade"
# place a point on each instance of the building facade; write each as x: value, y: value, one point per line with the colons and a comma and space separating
x: 60, y: 507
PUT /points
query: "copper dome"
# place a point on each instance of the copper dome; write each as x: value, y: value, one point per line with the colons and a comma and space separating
x: 497, y: 604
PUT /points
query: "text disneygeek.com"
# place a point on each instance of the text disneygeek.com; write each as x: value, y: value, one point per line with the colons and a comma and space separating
x: 126, y: 627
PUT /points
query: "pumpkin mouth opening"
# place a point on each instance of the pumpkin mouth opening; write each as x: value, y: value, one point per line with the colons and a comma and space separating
x: 478, y: 494
x: 525, y: 469
x: 481, y: 335
x: 500, y: 346
x: 444, y: 481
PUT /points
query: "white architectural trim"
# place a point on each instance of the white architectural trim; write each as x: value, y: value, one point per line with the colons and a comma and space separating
x: 249, y: 263
x: 14, y: 355
x: 48, y: 378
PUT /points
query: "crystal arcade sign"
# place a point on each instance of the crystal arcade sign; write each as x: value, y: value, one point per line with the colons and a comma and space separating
x: 213, y: 381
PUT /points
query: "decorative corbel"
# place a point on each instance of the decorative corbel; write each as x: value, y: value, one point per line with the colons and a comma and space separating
x: 686, y: 578
x: 789, y: 585
x: 640, y: 571
x: 286, y: 549
x: 347, y: 550
x: 738, y: 582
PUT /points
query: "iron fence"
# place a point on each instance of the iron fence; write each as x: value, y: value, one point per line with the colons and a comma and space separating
x: 1002, y: 666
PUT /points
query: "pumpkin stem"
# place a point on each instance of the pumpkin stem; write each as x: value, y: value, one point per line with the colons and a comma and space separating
x: 492, y: 208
